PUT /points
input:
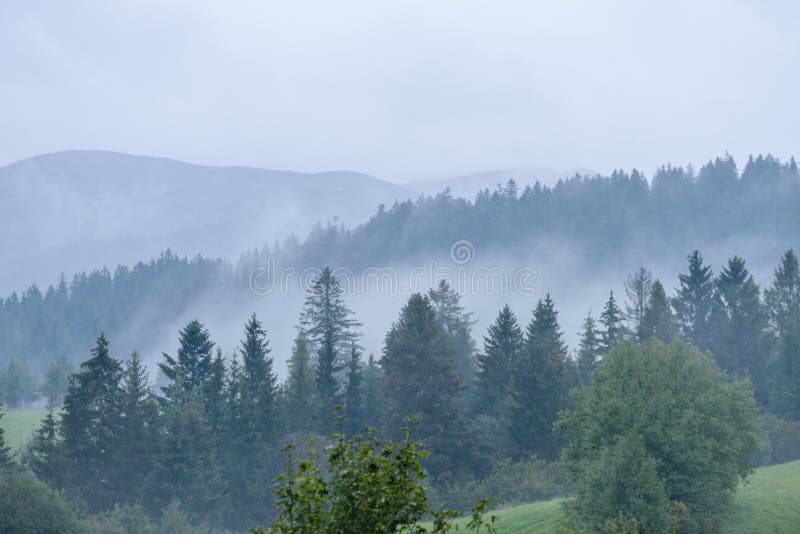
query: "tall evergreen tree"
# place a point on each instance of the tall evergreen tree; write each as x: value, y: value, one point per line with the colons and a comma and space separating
x: 693, y: 301
x: 194, y: 360
x: 45, y: 455
x: 457, y: 324
x: 501, y: 350
x: 353, y: 406
x: 301, y: 388
x: 657, y: 320
x: 738, y: 326
x: 138, y: 432
x: 91, y: 424
x: 589, y: 351
x: 259, y: 383
x: 422, y: 380
x: 611, y: 320
x: 373, y: 394
x: 638, y: 287
x: 56, y: 381
x: 331, y: 330
x: 540, y: 385
x: 215, y: 396
x: 783, y: 302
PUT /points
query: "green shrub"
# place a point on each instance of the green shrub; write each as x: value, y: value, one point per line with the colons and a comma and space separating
x: 28, y: 506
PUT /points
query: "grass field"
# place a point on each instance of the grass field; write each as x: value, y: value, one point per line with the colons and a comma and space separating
x: 769, y: 502
x: 19, y: 425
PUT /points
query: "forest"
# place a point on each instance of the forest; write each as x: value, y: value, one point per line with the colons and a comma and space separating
x: 669, y: 399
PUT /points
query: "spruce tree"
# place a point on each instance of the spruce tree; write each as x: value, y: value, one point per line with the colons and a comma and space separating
x: 215, y: 400
x: 331, y: 330
x: 501, y: 350
x: 194, y: 360
x: 353, y: 407
x: 739, y: 326
x: 45, y: 455
x: 373, y: 394
x: 457, y: 323
x: 693, y: 301
x: 301, y: 388
x: 91, y: 425
x: 657, y: 320
x: 589, y: 351
x: 611, y: 320
x: 783, y: 302
x: 541, y: 383
x: 422, y: 380
x: 259, y: 383
x: 138, y: 433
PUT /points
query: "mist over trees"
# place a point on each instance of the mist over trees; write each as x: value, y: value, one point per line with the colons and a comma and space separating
x: 606, y: 218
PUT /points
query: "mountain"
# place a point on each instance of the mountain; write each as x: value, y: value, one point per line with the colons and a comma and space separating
x: 75, y: 210
x: 468, y: 185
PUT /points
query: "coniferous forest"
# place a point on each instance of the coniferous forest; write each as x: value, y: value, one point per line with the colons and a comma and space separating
x: 670, y: 396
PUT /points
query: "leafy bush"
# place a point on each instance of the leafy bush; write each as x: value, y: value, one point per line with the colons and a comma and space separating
x: 779, y: 440
x: 29, y: 506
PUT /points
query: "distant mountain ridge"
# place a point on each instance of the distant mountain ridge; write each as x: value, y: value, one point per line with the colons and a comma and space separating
x: 74, y: 210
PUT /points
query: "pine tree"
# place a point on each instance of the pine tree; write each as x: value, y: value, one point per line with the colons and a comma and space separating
x: 5, y: 454
x: 331, y: 330
x: 589, y: 351
x: 353, y: 407
x: 193, y: 364
x: 694, y: 300
x: 657, y: 320
x: 259, y: 383
x: 739, y: 326
x: 457, y: 323
x: 501, y: 350
x: 783, y: 302
x: 91, y: 424
x: 422, y: 380
x: 301, y: 388
x: 612, y: 331
x: 638, y: 287
x: 540, y: 385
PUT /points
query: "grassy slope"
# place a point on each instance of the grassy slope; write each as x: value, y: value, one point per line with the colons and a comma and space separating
x: 768, y: 502
x: 19, y: 425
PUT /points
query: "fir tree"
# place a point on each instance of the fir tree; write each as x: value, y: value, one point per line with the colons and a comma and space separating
x: 353, y: 407
x: 138, y: 433
x: 657, y: 320
x: 783, y: 302
x: 422, y: 380
x: 331, y: 330
x: 457, y: 323
x: 215, y: 393
x: 301, y: 387
x: 193, y: 362
x: 694, y: 300
x: 259, y: 383
x: 739, y: 326
x: 589, y: 351
x: 541, y: 381
x: 44, y: 454
x: 91, y: 424
x: 611, y: 320
x: 501, y: 350
x: 373, y: 394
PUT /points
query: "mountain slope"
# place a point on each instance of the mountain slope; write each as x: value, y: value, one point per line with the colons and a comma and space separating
x: 79, y: 209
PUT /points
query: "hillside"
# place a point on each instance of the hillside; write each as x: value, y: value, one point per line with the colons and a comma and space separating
x: 769, y: 501
x: 77, y: 210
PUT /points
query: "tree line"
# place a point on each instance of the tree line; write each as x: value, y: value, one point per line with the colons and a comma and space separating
x: 210, y: 435
x: 606, y: 217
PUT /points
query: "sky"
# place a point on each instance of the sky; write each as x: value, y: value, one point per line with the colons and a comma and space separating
x: 401, y: 90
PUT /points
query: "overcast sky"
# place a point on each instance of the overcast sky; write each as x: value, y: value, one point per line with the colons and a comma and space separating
x: 402, y: 90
